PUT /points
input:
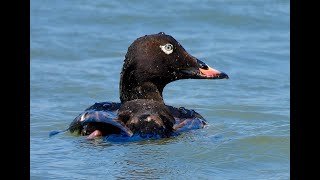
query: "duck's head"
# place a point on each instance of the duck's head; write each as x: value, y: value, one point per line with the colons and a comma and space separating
x: 153, y: 61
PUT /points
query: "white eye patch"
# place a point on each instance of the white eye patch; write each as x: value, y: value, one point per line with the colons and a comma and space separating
x: 167, y: 48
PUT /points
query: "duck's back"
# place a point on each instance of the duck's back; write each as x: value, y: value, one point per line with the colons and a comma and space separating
x: 105, y: 115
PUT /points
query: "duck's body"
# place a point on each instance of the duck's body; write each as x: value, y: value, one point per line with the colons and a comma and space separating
x: 152, y: 61
x: 106, y: 113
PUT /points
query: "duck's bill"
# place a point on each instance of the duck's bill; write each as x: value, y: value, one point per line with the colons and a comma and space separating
x: 210, y: 73
x: 203, y: 71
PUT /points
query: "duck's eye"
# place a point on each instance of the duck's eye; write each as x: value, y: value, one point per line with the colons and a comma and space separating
x: 167, y: 48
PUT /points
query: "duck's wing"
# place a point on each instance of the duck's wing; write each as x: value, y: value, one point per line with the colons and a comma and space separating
x: 103, y: 116
x: 106, y: 112
x: 186, y: 119
x: 100, y: 116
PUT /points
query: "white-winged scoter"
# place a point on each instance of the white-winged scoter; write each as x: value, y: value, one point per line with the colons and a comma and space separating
x: 152, y: 61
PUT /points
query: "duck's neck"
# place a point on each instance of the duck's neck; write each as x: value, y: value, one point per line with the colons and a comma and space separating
x: 145, y: 90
